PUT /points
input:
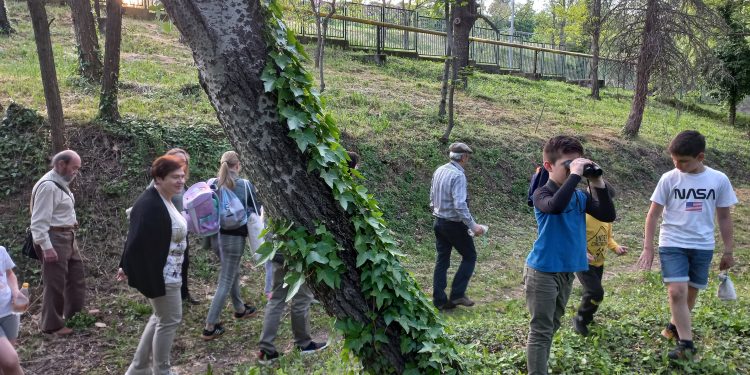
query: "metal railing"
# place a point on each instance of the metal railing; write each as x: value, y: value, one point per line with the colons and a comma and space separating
x: 385, y: 28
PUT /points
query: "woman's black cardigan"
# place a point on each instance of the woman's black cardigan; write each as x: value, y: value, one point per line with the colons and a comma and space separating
x: 147, y: 246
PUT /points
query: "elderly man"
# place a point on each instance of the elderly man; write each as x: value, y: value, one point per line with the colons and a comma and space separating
x: 53, y: 225
x: 452, y: 224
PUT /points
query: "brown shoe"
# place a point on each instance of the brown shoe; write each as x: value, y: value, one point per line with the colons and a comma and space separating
x: 64, y: 331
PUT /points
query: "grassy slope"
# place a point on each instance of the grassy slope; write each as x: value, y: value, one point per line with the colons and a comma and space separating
x: 388, y: 115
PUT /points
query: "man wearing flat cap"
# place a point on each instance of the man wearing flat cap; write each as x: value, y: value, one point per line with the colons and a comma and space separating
x: 452, y: 223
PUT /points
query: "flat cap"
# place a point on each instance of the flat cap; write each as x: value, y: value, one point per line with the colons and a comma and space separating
x: 460, y: 147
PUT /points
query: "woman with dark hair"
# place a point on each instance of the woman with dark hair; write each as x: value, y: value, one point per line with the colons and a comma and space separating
x: 152, y: 263
x: 231, y: 246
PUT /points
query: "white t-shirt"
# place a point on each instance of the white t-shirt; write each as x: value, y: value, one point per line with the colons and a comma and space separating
x: 173, y: 268
x: 6, y: 295
x: 690, y: 202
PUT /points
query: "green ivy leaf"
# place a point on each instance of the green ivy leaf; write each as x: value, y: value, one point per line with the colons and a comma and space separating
x: 294, y: 119
x: 294, y: 280
x: 281, y: 59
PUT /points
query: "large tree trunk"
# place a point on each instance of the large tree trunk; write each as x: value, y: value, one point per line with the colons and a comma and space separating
x: 229, y: 49
x: 49, y: 74
x: 84, y: 26
x: 595, y: 20
x: 646, y: 58
x: 733, y: 109
x: 448, y: 60
x: 108, y: 109
x: 465, y: 13
x: 5, y: 27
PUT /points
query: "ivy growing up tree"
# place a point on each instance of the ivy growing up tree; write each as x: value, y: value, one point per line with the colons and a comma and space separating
x: 328, y: 226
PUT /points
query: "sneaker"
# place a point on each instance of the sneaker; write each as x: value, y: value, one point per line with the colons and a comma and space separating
x: 250, y: 311
x: 188, y: 299
x: 266, y: 358
x: 579, y: 326
x: 670, y: 332
x: 463, y: 301
x: 313, y: 347
x: 214, y: 333
x: 682, y: 351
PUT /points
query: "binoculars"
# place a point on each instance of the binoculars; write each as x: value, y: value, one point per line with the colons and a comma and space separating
x: 589, y: 170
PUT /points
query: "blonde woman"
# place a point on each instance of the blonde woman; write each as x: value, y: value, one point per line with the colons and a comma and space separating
x: 232, y: 246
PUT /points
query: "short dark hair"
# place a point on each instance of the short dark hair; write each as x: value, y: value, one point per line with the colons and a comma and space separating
x: 688, y: 143
x: 353, y: 159
x: 165, y: 165
x: 559, y: 145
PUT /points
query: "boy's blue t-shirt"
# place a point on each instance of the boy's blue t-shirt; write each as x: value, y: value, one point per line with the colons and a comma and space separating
x: 561, y: 242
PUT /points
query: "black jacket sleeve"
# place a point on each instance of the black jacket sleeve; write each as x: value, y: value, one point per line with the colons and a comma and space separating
x: 552, y: 200
x: 602, y: 208
x: 147, y: 246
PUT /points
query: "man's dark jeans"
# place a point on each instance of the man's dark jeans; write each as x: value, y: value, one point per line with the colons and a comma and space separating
x: 450, y: 234
x: 593, y: 292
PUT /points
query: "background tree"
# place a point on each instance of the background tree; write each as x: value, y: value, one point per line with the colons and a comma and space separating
x: 5, y: 27
x: 49, y: 74
x: 665, y: 37
x: 108, y: 109
x: 334, y: 237
x: 594, y: 25
x: 321, y: 25
x: 84, y: 27
x: 448, y: 62
x: 731, y: 77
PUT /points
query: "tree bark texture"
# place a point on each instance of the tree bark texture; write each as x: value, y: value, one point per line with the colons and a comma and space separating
x: 5, y: 27
x: 733, y: 109
x: 595, y: 21
x: 464, y: 14
x: 448, y: 60
x: 646, y: 58
x: 84, y: 26
x: 49, y: 74
x: 229, y: 49
x: 108, y: 108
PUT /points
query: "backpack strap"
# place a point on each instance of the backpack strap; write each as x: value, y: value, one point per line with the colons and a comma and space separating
x: 247, y: 189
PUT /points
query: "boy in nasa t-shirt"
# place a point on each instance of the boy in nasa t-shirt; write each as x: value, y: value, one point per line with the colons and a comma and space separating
x: 689, y: 196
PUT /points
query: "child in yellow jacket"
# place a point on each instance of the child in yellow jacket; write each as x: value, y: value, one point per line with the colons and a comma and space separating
x: 599, y: 240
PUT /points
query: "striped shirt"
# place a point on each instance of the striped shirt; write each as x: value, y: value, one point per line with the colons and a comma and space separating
x: 448, y: 194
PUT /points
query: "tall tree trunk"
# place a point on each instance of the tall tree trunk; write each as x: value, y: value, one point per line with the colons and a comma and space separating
x: 733, y: 109
x: 84, y: 26
x: 108, y: 109
x: 316, y: 6
x: 5, y: 27
x: 646, y: 58
x: 97, y: 10
x: 322, y: 34
x: 465, y: 13
x: 448, y: 60
x: 595, y: 19
x: 49, y: 75
x: 229, y: 49
x: 405, y: 21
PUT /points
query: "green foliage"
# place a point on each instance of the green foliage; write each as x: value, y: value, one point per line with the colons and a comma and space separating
x: 80, y: 320
x: 149, y: 139
x: 731, y: 78
x: 24, y: 143
x: 396, y: 298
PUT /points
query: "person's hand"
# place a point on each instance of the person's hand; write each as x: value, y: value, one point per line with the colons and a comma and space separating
x: 477, y: 229
x: 621, y: 250
x: 589, y: 257
x: 647, y: 258
x: 121, y: 276
x: 576, y: 166
x: 727, y: 261
x: 50, y: 255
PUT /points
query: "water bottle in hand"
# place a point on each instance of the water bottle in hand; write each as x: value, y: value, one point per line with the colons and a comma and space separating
x: 21, y: 302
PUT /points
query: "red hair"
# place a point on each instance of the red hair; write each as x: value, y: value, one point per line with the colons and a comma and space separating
x: 165, y: 165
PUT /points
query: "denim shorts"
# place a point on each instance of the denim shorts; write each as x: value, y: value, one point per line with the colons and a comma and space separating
x: 685, y: 265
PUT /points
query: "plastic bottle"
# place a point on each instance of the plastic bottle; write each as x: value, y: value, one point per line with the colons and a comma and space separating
x: 21, y: 302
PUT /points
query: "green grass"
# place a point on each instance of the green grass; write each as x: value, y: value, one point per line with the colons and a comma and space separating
x: 388, y: 115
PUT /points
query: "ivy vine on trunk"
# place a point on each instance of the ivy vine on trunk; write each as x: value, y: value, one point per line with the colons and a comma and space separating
x: 328, y: 226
